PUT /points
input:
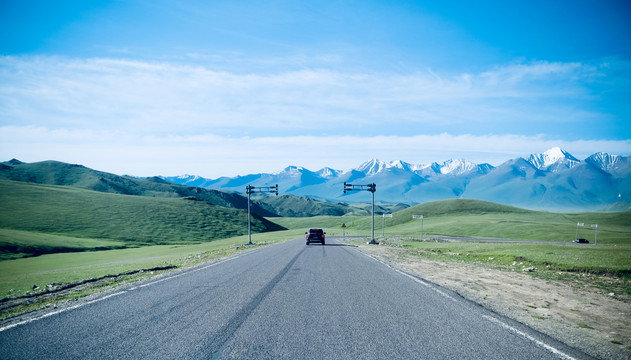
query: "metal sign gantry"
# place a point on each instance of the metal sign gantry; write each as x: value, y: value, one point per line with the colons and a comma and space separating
x: 257, y: 189
x: 369, y: 187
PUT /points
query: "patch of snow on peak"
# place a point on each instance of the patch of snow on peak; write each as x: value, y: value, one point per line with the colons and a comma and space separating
x: 290, y: 170
x: 188, y: 177
x: 399, y: 165
x: 372, y: 167
x: 604, y: 160
x: 327, y: 172
x: 456, y: 167
x: 420, y: 167
x: 552, y: 157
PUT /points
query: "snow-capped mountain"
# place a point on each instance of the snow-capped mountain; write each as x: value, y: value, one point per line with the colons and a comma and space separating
x: 457, y: 167
x: 553, y: 159
x: 552, y: 180
x: 372, y: 167
x: 328, y: 173
x: 605, y: 161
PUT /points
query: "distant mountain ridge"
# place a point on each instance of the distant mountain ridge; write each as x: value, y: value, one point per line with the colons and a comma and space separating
x: 58, y: 173
x: 553, y: 180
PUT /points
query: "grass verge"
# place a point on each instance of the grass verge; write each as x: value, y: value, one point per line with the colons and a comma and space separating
x: 493, y: 222
x: 605, y: 266
x: 18, y: 277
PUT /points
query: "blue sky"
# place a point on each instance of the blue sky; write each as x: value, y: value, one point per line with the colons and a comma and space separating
x: 220, y: 88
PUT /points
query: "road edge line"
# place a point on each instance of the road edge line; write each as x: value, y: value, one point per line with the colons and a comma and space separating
x: 77, y: 306
x: 490, y: 318
x: 73, y: 307
x: 539, y: 343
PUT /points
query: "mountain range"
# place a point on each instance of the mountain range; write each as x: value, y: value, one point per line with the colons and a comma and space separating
x: 553, y: 180
x: 52, y: 172
x: 59, y: 173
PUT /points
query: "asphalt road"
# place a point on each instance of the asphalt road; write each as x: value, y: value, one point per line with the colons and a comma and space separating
x: 287, y: 301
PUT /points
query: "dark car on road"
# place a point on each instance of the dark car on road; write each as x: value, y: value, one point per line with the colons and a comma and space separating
x: 581, y: 241
x: 315, y: 235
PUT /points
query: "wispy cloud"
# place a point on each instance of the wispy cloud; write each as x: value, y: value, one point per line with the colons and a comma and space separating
x: 148, y: 118
x: 172, y: 98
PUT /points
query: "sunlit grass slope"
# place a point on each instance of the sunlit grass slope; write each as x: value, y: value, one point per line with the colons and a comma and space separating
x: 19, y: 275
x: 105, y: 220
x: 463, y: 217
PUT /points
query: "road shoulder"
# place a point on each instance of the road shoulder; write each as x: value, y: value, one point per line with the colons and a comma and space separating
x: 582, y: 317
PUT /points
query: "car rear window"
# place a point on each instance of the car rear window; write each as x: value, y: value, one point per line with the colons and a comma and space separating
x: 315, y: 231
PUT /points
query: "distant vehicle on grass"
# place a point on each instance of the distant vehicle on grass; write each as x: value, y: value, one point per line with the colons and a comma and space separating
x: 315, y: 235
x: 581, y: 241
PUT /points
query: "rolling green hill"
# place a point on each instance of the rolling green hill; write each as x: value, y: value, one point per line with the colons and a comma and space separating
x: 456, y: 207
x: 294, y: 206
x: 59, y: 173
x: 475, y: 218
x: 297, y: 206
x: 67, y: 218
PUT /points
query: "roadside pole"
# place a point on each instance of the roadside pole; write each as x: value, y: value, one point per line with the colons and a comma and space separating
x: 372, y: 188
x: 577, y: 225
x: 248, y: 190
x: 595, y: 226
x: 257, y: 189
x: 372, y: 222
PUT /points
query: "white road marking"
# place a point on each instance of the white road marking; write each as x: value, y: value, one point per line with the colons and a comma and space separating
x: 523, y: 334
x: 60, y: 311
x: 415, y: 279
x: 488, y: 317
x: 10, y: 326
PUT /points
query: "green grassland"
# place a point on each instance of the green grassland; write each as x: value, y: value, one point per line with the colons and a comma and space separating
x: 470, y: 218
x: 18, y: 276
x: 296, y: 206
x: 78, y: 176
x: 473, y: 218
x: 607, y: 259
x: 90, y: 220
x: 52, y: 234
x: 17, y: 244
x: 606, y: 267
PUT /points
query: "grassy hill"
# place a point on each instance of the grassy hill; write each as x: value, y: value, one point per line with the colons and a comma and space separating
x: 459, y: 207
x: 297, y: 206
x: 59, y: 173
x: 465, y: 217
x: 37, y: 219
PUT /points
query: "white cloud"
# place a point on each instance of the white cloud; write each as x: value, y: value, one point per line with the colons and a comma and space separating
x: 515, y: 73
x: 169, y: 98
x: 143, y: 118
